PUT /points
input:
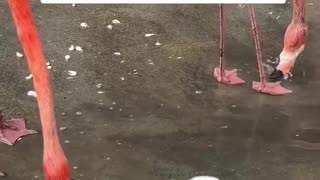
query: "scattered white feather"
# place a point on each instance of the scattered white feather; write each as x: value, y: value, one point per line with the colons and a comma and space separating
x: 67, y: 57
x: 29, y: 77
x: 122, y: 78
x: 62, y: 128
x: 99, y: 85
x: 100, y: 92
x: 32, y: 93
x: 79, y: 113
x: 158, y: 44
x: 78, y: 48
x: 117, y: 53
x: 48, y: 65
x: 83, y: 24
x: 72, y: 73
x: 122, y: 61
x: 149, y: 35
x: 19, y: 55
x: 109, y: 26
x: 204, y: 178
x: 116, y: 21
x: 71, y: 48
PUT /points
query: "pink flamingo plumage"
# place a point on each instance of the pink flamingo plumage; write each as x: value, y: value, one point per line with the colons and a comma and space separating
x: 294, y: 40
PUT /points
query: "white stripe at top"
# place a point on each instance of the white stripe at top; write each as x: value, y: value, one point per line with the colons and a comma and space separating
x: 163, y: 1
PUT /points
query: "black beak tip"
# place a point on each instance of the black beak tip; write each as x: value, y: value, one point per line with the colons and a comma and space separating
x: 276, y: 75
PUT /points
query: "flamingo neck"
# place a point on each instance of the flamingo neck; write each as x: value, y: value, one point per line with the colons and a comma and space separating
x: 36, y: 61
x: 55, y: 163
x: 298, y: 11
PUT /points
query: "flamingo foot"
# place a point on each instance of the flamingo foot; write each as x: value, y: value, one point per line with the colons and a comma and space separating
x: 230, y: 77
x: 270, y: 88
x: 12, y: 130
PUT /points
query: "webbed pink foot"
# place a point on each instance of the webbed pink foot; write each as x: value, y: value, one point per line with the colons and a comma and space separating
x: 228, y: 77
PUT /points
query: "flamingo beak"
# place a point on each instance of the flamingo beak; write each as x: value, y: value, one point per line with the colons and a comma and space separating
x: 277, y: 75
x: 282, y: 71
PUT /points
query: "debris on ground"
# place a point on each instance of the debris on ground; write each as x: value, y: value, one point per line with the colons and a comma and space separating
x: 149, y: 35
x: 19, y: 55
x: 67, y: 57
x: 116, y: 21
x: 32, y: 93
x: 84, y: 25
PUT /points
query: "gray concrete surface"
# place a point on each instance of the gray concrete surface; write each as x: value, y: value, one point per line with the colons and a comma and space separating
x: 165, y: 130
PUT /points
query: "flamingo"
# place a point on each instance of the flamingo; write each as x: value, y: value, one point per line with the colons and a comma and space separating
x: 294, y: 43
x: 55, y: 164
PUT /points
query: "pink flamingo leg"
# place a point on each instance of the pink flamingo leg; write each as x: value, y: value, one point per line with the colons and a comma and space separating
x: 263, y: 86
x: 225, y: 76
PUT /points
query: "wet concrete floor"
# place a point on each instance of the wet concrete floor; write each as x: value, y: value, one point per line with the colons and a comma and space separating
x: 161, y: 114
